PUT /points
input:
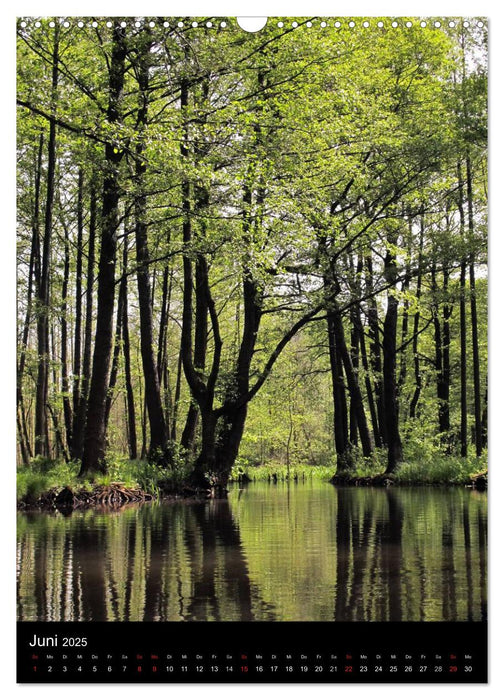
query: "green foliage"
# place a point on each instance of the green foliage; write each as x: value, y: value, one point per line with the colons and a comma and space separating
x: 423, y: 466
x: 42, y: 475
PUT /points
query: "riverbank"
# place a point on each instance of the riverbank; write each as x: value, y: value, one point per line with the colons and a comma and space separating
x: 56, y: 486
x: 47, y: 485
x: 434, y: 471
x: 112, y: 497
x: 477, y: 481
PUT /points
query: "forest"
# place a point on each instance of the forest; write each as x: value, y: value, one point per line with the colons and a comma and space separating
x: 245, y: 254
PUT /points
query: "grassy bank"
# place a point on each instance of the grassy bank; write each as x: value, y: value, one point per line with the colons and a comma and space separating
x: 275, y: 472
x: 43, y: 476
x: 445, y: 470
x: 431, y: 470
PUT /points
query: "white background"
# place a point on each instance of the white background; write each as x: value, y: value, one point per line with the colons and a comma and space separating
x: 430, y: 8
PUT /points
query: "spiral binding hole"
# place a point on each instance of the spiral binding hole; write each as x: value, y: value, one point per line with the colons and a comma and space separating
x: 281, y: 24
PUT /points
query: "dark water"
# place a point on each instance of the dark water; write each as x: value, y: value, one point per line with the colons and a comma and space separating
x: 270, y: 552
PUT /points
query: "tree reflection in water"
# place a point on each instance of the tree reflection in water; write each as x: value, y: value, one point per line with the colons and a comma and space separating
x: 302, y: 552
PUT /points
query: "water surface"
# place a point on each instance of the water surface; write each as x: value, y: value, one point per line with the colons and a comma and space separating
x: 269, y: 552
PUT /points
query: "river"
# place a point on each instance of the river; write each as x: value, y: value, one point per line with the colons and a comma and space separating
x: 306, y: 551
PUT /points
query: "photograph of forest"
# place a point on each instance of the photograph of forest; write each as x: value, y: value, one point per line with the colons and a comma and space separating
x: 252, y: 319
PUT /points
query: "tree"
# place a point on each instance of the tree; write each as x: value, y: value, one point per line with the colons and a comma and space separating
x: 94, y: 436
x: 43, y: 278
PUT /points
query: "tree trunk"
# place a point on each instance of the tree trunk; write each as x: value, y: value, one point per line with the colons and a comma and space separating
x: 404, y: 330
x: 442, y: 352
x: 202, y: 392
x: 117, y: 344
x: 229, y: 439
x: 32, y: 281
x: 93, y: 458
x: 463, y: 331
x: 416, y: 323
x: 463, y: 364
x: 41, y: 429
x: 163, y: 321
x: 199, y: 392
x: 375, y: 351
x: 162, y: 356
x: 189, y: 432
x: 65, y: 385
x: 344, y: 454
x: 369, y: 388
x: 130, y: 401
x: 23, y: 443
x: 354, y: 371
x: 484, y: 418
x: 204, y: 471
x: 474, y: 314
x: 85, y: 371
x: 157, y: 424
x: 352, y: 382
x: 200, y: 347
x: 60, y: 445
x: 176, y: 398
x: 446, y: 339
x: 235, y: 406
x: 389, y: 360
x: 78, y: 315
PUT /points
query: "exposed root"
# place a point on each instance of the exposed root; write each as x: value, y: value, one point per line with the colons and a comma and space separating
x: 115, y: 496
x: 349, y: 480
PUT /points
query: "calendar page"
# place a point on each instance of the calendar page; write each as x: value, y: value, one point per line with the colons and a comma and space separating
x: 252, y: 349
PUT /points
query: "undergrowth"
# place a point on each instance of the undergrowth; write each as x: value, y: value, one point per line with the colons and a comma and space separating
x: 43, y: 475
